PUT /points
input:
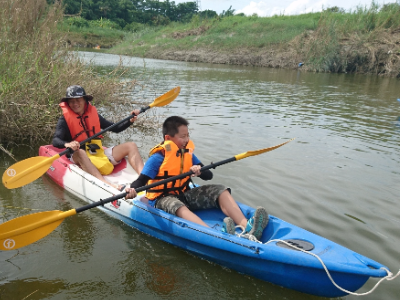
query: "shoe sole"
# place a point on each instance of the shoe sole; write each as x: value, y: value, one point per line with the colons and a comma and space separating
x: 260, y: 222
x: 230, y: 225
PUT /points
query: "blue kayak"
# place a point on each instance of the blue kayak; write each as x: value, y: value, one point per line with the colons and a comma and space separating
x: 276, y: 262
x: 286, y: 255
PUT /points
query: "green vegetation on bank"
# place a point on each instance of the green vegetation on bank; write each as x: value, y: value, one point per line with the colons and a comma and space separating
x: 364, y: 40
x: 80, y: 32
x: 92, y: 23
x: 36, y: 69
x: 222, y: 34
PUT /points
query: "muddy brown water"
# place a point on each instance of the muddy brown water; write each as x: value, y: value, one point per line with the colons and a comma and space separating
x: 340, y: 178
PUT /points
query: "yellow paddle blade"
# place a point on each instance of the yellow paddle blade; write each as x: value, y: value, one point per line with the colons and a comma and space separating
x: 26, y: 230
x: 27, y: 170
x: 256, y: 152
x: 167, y: 98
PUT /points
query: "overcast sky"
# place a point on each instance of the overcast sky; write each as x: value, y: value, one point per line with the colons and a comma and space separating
x: 287, y: 7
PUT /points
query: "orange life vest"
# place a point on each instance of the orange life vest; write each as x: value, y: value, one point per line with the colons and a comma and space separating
x: 88, y: 123
x: 176, y: 161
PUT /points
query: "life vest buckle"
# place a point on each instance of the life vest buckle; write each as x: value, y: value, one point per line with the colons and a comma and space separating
x: 92, y: 148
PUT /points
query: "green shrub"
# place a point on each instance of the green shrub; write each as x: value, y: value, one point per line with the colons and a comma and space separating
x: 104, y: 23
x: 160, y: 20
x: 77, y: 22
x: 134, y: 27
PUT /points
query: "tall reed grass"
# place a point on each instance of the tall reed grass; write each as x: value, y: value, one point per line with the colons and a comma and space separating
x: 36, y: 69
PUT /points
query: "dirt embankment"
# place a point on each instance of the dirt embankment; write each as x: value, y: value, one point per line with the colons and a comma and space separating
x: 271, y: 57
x: 378, y: 54
x: 266, y: 58
x: 91, y: 40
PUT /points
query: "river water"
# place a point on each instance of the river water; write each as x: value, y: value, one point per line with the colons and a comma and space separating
x: 340, y: 178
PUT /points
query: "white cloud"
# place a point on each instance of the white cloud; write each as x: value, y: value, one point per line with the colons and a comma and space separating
x: 261, y: 8
x: 305, y: 6
x: 265, y: 8
x: 288, y: 7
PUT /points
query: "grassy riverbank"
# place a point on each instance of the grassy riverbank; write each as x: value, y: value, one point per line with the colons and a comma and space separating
x: 101, y: 33
x: 366, y: 40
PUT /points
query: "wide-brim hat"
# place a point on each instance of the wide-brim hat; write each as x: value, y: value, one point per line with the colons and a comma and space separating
x: 76, y: 91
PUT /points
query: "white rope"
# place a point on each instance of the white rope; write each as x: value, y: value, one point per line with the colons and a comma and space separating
x: 388, y: 277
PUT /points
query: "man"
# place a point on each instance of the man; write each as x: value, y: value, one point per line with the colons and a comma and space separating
x: 80, y: 121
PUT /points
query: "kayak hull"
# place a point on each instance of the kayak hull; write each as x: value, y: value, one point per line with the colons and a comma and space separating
x: 272, y: 260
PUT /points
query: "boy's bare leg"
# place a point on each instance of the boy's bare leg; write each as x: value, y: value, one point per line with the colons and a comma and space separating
x: 184, y: 213
x: 230, y: 208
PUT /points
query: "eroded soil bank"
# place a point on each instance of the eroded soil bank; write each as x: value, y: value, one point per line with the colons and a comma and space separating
x: 314, y: 50
x: 379, y: 54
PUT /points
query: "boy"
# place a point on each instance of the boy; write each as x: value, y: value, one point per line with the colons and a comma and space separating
x: 175, y: 156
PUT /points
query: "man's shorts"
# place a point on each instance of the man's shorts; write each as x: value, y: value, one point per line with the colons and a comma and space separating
x: 107, y: 152
x: 202, y: 197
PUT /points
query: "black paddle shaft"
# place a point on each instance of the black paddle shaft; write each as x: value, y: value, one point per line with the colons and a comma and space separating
x: 146, y: 187
x: 69, y: 150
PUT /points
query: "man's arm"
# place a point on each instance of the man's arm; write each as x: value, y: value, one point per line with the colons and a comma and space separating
x: 62, y: 134
x: 120, y: 127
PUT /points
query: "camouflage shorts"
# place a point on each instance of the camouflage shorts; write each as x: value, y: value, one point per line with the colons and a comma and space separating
x: 201, y: 197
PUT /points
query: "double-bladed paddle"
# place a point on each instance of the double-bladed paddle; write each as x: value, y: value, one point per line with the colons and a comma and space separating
x: 26, y: 230
x: 30, y: 169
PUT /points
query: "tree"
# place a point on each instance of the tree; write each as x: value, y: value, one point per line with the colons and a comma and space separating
x: 335, y: 9
x: 125, y: 12
x: 185, y: 11
x: 207, y: 14
x: 230, y: 12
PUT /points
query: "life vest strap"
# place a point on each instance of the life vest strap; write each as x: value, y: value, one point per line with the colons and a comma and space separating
x: 172, y: 190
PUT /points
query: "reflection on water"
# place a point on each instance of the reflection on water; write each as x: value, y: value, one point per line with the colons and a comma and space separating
x: 31, y: 288
x: 78, y: 232
x: 161, y: 278
x: 339, y: 178
x: 78, y: 237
